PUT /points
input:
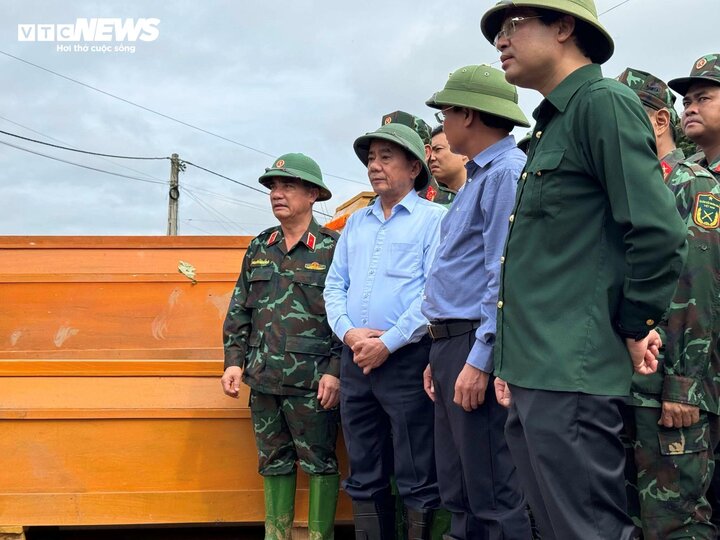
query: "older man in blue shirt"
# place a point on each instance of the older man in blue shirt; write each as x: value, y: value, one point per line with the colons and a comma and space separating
x: 477, y: 478
x: 372, y: 295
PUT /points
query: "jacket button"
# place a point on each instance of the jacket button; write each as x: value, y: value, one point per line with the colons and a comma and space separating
x: 650, y: 322
x: 502, y: 260
x: 500, y: 304
x: 512, y: 218
x: 538, y: 134
x: 524, y: 176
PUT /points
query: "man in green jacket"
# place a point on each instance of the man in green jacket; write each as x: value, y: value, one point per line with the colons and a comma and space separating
x: 277, y: 339
x: 594, y: 251
x: 674, y: 423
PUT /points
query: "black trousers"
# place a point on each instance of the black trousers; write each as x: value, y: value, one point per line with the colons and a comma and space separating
x: 477, y: 478
x: 387, y: 422
x: 567, y: 449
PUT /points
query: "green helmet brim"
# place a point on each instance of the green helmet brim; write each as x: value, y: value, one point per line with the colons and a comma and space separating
x: 362, y: 148
x: 600, y: 43
x: 683, y: 84
x: 480, y: 102
x: 313, y: 180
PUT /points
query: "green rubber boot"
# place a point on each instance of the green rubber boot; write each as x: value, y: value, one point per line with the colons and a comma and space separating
x: 323, y: 501
x: 279, y: 506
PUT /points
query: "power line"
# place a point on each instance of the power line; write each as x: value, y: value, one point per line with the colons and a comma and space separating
x: 209, y: 209
x: 64, y: 142
x: 81, y: 165
x: 225, y: 177
x: 76, y: 150
x: 153, y: 111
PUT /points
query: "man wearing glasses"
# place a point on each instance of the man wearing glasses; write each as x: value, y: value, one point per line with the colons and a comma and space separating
x: 278, y: 341
x: 478, y: 109
x: 593, y: 255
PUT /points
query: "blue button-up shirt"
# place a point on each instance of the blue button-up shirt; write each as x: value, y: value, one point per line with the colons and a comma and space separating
x: 379, y: 269
x: 464, y: 280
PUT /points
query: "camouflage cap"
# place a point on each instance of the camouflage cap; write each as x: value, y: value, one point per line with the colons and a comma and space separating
x: 482, y: 88
x: 524, y: 143
x: 705, y: 69
x: 418, y: 124
x: 403, y: 136
x: 297, y: 166
x: 652, y: 92
x: 599, y: 42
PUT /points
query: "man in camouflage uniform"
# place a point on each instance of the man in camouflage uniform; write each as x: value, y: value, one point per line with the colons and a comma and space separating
x: 435, y: 191
x: 277, y: 339
x: 701, y: 114
x: 674, y: 423
x: 701, y: 124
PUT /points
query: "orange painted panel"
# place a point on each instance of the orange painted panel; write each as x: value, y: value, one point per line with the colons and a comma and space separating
x: 110, y: 402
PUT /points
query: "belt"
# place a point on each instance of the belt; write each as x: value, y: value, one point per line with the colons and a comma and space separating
x: 444, y: 330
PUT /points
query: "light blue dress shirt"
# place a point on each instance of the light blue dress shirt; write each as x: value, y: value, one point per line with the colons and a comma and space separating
x: 464, y: 280
x: 379, y: 269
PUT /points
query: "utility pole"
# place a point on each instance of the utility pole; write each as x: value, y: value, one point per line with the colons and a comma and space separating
x: 173, y: 195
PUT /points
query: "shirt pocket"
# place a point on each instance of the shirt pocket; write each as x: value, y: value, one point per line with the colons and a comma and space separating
x: 259, y: 287
x: 306, y: 358
x: 309, y: 285
x: 543, y: 185
x: 404, y: 260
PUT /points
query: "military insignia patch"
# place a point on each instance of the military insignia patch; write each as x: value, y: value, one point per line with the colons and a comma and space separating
x: 387, y: 120
x: 311, y: 241
x: 271, y: 239
x: 430, y: 193
x: 706, y: 213
x: 701, y: 63
x: 315, y: 266
x: 666, y: 168
x: 259, y: 262
x: 280, y: 163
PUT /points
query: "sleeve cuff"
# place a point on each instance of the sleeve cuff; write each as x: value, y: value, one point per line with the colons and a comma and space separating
x: 481, y: 357
x: 234, y: 356
x: 343, y: 326
x: 634, y: 320
x: 682, y: 390
x: 393, y: 339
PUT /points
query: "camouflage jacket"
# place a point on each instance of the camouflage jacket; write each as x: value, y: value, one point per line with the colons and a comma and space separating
x: 438, y: 193
x: 701, y: 160
x: 276, y: 328
x: 689, y: 365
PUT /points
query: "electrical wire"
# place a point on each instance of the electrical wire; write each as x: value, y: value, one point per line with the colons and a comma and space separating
x: 81, y: 165
x: 76, y: 150
x: 166, y: 116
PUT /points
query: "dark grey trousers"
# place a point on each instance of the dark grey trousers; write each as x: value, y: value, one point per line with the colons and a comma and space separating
x: 567, y: 450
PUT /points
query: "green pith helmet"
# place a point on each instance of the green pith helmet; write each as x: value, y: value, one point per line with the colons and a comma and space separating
x: 653, y: 92
x: 482, y: 88
x: 420, y: 126
x: 297, y: 166
x: 600, y: 44
x: 705, y: 69
x: 524, y: 143
x: 403, y: 136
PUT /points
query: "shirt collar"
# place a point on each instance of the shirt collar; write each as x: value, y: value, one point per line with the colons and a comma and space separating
x: 309, y: 237
x: 488, y: 155
x: 564, y: 92
x: 408, y: 202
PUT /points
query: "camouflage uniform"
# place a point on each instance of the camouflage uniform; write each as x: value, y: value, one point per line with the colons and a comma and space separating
x: 434, y: 191
x: 674, y: 466
x: 277, y: 331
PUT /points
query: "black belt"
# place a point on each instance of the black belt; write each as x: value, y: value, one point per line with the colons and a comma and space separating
x: 448, y: 329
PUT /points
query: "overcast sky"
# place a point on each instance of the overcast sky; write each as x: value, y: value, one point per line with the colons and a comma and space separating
x: 280, y: 76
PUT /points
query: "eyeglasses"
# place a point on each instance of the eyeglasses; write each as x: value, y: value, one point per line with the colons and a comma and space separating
x: 509, y: 27
x: 440, y: 115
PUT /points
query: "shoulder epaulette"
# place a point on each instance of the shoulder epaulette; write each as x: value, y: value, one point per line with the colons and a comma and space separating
x: 329, y: 232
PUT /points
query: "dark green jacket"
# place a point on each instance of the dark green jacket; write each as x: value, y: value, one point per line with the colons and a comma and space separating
x: 276, y: 328
x: 594, y: 243
x: 689, y: 368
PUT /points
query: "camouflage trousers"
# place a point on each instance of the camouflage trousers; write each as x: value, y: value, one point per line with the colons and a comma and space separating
x: 290, y: 429
x: 668, y: 473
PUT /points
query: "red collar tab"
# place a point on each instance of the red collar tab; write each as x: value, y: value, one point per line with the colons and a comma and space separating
x: 310, y: 241
x: 273, y: 238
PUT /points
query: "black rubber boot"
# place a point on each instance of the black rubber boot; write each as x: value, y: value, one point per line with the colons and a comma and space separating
x: 419, y: 523
x: 374, y: 519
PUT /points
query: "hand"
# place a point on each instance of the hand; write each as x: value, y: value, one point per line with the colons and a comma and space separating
x: 643, y: 360
x: 654, y: 343
x: 370, y: 353
x: 502, y: 393
x: 354, y: 335
x: 470, y: 388
x: 328, y: 391
x: 231, y: 381
x: 677, y: 415
x: 428, y: 383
